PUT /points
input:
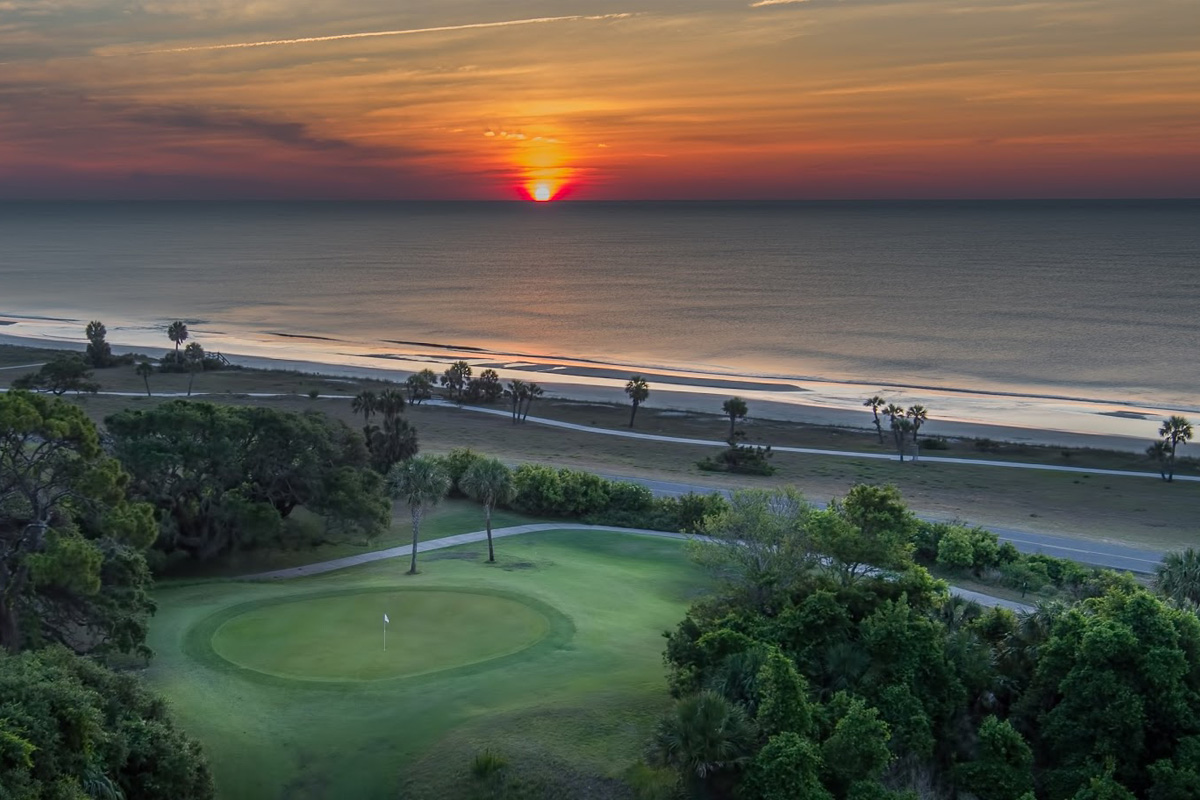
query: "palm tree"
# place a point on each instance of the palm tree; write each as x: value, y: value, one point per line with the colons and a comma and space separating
x: 532, y: 392
x: 1178, y: 577
x: 701, y: 737
x: 516, y: 391
x: 919, y: 416
x: 638, y: 390
x: 144, y: 371
x: 177, y: 332
x: 1176, y: 430
x: 489, y: 482
x: 899, y: 423
x: 1160, y: 453
x: 421, y: 483
x: 193, y: 354
x: 735, y: 408
x: 365, y: 403
x: 875, y: 403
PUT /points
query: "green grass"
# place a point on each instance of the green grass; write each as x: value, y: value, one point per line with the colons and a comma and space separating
x: 343, y: 636
x: 570, y: 711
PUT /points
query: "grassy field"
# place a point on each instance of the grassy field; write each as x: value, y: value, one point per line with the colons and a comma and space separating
x: 1138, y: 511
x: 565, y: 690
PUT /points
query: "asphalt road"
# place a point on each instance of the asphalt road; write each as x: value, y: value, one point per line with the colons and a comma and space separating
x: 1085, y: 551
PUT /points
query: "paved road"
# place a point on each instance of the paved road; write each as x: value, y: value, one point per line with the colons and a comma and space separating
x: 405, y: 551
x: 974, y: 462
x: 1086, y: 551
x: 1083, y: 550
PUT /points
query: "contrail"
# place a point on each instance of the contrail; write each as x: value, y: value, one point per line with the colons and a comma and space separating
x: 408, y: 32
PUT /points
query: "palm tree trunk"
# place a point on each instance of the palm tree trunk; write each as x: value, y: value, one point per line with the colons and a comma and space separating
x: 1171, y: 465
x: 633, y: 413
x: 416, y: 521
x: 731, y: 427
x: 878, y: 425
x: 147, y: 380
x: 487, y: 521
x: 191, y: 377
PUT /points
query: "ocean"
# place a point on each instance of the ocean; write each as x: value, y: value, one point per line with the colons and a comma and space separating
x: 1038, y: 302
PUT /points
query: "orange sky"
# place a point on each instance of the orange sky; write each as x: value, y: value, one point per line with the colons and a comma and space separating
x: 599, y: 99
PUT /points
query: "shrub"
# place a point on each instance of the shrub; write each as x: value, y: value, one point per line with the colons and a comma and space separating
x: 456, y: 463
x: 955, y: 551
x: 691, y: 509
x: 935, y: 444
x: 741, y: 459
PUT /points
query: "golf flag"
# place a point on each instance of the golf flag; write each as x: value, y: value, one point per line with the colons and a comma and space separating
x: 385, y: 619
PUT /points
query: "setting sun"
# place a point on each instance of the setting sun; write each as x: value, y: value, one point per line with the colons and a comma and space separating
x: 541, y: 193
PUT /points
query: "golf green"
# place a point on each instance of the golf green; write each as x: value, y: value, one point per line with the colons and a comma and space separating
x: 341, y: 637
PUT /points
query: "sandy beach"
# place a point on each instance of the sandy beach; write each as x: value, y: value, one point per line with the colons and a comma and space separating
x: 1046, y: 421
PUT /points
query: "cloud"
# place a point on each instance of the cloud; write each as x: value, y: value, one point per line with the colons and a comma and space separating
x: 406, y: 32
x: 761, y: 3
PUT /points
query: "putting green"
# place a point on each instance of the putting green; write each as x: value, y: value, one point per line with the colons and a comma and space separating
x: 340, y: 637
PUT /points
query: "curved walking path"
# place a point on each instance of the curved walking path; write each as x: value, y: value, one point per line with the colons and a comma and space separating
x: 654, y: 437
x: 322, y: 567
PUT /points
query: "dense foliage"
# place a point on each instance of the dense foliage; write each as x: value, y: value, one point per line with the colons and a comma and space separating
x: 61, y: 374
x: 71, y: 729
x: 813, y: 674
x: 225, y: 478
x: 72, y: 569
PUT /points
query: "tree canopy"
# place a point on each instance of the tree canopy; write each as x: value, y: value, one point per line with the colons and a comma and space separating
x: 225, y: 478
x: 72, y: 569
x: 72, y: 729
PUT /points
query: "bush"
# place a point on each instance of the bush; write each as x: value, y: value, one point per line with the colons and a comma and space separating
x: 741, y: 459
x: 935, y: 444
x: 690, y: 510
x: 456, y: 463
x: 955, y: 550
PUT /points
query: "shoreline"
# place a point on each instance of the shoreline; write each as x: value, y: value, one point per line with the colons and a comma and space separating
x: 769, y: 399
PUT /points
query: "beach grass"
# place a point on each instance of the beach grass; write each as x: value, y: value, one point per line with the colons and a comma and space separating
x: 565, y: 693
x: 1138, y: 511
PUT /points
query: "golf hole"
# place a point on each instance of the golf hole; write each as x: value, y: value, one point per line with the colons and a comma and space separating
x: 342, y: 637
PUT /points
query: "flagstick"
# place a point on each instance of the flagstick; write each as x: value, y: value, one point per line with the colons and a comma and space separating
x: 385, y: 637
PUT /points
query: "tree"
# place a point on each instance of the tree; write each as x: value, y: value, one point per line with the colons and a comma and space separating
x: 62, y: 374
x: 703, y: 737
x: 857, y: 749
x: 226, y: 477
x: 420, y: 386
x: 71, y: 563
x: 638, y: 390
x: 420, y: 483
x: 1177, y: 577
x: 99, y: 353
x: 917, y: 415
x: 177, y: 332
x: 516, y: 392
x: 787, y: 768
x: 71, y: 728
x: 1112, y: 691
x: 735, y: 408
x: 144, y: 370
x: 455, y: 379
x: 1003, y: 765
x: 488, y: 482
x: 365, y: 403
x: 1176, y: 430
x: 532, y: 392
x: 875, y: 403
x: 760, y: 543
x: 396, y: 440
x: 899, y: 424
x: 486, y: 388
x: 870, y: 527
x: 1160, y: 453
x: 783, y: 704
x: 193, y: 356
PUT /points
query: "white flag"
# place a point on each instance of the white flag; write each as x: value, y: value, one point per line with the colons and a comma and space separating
x: 385, y: 619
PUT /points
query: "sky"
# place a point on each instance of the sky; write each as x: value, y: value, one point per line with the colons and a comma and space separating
x: 598, y: 99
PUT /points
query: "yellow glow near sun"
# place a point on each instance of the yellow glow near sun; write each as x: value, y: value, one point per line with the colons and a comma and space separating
x: 541, y: 192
